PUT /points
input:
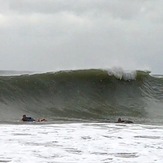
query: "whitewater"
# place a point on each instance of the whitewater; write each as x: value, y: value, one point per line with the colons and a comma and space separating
x: 81, y: 142
x: 81, y: 107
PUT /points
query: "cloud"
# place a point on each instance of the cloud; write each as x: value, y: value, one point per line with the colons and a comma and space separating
x: 48, y: 35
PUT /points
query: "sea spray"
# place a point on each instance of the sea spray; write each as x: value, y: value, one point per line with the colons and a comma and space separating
x: 119, y: 73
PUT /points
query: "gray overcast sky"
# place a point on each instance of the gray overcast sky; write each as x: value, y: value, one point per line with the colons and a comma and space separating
x: 47, y: 35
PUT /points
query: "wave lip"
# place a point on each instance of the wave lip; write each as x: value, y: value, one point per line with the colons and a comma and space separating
x: 119, y: 73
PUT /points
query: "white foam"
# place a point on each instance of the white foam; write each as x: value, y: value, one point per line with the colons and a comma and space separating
x: 81, y: 143
x: 119, y: 73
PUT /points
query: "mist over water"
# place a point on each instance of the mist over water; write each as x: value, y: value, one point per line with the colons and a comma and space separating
x: 79, y: 95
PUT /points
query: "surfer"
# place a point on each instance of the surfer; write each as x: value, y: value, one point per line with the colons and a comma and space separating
x: 30, y: 119
x: 123, y: 121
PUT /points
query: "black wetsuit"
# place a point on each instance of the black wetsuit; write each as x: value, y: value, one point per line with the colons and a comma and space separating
x: 127, y: 121
x: 124, y: 121
x: 28, y: 119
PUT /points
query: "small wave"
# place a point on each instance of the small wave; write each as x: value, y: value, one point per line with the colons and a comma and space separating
x: 14, y: 73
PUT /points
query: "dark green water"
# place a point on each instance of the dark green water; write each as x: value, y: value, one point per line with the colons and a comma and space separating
x: 82, y: 95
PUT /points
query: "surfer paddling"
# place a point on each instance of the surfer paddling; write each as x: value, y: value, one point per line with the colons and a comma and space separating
x: 123, y: 121
x: 30, y: 119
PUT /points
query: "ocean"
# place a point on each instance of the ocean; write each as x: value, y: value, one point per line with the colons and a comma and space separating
x: 81, y: 108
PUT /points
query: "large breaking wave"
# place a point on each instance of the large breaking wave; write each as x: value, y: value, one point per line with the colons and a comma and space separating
x: 92, y: 94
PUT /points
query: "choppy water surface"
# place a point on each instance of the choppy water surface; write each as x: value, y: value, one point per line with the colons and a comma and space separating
x: 81, y: 142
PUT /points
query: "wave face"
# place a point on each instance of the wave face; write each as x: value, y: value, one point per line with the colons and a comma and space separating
x: 92, y: 94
